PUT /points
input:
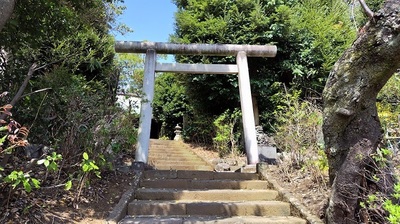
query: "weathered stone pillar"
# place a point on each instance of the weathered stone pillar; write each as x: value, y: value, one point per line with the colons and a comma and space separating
x: 246, y: 104
x: 146, y: 110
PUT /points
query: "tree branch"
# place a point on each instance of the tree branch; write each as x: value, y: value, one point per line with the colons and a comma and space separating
x: 37, y: 91
x: 21, y: 89
x: 367, y: 10
x: 128, y: 94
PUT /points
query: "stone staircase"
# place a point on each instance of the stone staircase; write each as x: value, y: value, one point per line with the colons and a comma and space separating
x: 184, y: 189
x: 174, y: 155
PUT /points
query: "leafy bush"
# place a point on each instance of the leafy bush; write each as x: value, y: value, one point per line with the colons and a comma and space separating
x: 299, y: 136
x: 199, y: 130
x: 393, y: 208
x: 388, y: 102
x: 74, y: 118
x: 227, y: 132
x: 19, y: 177
x: 380, y: 205
x: 299, y: 128
x: 116, y: 133
x: 388, y: 105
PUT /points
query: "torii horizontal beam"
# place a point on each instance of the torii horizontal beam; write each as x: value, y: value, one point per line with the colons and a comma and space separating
x: 196, y: 49
x: 197, y: 68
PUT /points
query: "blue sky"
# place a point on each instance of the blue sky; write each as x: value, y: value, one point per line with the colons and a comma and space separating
x: 151, y: 20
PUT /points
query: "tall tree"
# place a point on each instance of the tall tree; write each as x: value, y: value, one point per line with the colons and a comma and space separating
x: 306, y: 50
x: 352, y: 130
x: 71, y: 40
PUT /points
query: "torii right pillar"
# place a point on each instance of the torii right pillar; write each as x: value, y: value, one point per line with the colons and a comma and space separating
x: 246, y: 103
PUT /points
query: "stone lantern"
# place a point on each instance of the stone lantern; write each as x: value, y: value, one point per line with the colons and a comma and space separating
x: 178, y: 133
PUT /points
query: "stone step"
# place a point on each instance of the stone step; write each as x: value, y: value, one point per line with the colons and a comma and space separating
x: 175, y: 158
x: 213, y: 219
x: 206, y: 195
x: 204, y: 184
x: 177, y: 162
x: 176, y: 145
x: 227, y: 209
x: 182, y: 167
x: 176, y: 166
x: 172, y: 155
x: 200, y: 175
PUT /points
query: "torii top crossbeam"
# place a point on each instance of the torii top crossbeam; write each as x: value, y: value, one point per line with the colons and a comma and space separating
x: 196, y: 49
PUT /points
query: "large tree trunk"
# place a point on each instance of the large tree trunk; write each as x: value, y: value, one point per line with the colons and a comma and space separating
x: 352, y: 130
x: 6, y: 9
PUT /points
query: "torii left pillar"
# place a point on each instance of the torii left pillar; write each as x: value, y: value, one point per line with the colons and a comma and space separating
x: 146, y: 109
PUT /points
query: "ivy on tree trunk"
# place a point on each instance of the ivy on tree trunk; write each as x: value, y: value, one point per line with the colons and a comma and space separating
x: 352, y: 130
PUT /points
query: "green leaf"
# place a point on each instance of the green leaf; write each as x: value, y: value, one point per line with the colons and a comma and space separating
x: 3, y: 139
x: 68, y: 185
x: 27, y: 186
x: 36, y: 183
x: 46, y: 163
x: 85, y: 156
x: 53, y: 166
x: 85, y: 167
x: 94, y: 166
x: 41, y: 161
x: 16, y: 183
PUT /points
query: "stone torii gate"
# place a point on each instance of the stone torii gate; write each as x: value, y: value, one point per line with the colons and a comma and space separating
x: 241, y: 68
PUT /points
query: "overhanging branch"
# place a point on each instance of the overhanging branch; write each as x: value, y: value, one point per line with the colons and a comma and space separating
x: 366, y: 9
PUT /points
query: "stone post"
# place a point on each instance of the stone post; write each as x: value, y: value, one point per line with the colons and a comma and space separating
x: 146, y: 110
x: 250, y: 139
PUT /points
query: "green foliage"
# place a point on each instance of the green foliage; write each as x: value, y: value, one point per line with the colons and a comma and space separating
x: 169, y: 104
x: 380, y: 206
x: 198, y: 129
x: 298, y: 134
x: 320, y: 43
x: 131, y: 72
x: 50, y: 162
x: 394, y: 211
x: 117, y: 132
x: 68, y: 185
x: 227, y: 132
x: 89, y: 165
x: 74, y: 51
x: 64, y: 117
x: 17, y: 178
x: 381, y: 156
x: 306, y: 49
x: 384, y: 208
x: 69, y: 94
x: 388, y: 103
x: 299, y: 127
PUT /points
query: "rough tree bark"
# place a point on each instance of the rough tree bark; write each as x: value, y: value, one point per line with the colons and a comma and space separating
x: 6, y: 9
x: 352, y: 130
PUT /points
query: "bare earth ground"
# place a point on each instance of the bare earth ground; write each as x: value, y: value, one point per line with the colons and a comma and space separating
x: 55, y: 205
